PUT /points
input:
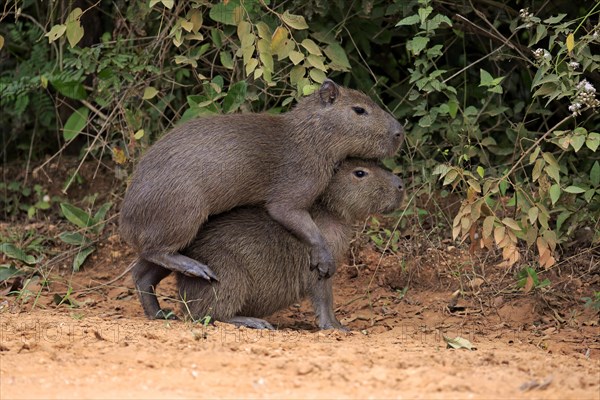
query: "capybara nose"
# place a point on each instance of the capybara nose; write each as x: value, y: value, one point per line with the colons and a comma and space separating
x: 398, y: 130
x: 398, y: 182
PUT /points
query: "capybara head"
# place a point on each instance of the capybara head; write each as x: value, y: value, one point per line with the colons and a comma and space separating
x: 360, y: 188
x: 361, y: 127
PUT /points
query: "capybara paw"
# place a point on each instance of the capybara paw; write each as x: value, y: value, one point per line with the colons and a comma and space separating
x: 199, y: 270
x: 249, y: 322
x: 323, y: 261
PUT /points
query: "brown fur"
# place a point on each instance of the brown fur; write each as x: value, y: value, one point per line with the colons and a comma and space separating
x: 263, y: 268
x: 210, y: 165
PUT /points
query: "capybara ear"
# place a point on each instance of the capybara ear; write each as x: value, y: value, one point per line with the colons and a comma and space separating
x: 328, y: 92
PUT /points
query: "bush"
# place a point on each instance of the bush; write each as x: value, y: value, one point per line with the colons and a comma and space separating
x: 499, y: 103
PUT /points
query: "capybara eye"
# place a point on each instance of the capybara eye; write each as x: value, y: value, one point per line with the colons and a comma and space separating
x: 359, y: 110
x: 359, y: 173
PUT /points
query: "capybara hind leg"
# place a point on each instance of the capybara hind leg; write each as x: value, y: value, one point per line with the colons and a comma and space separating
x: 179, y: 263
x: 146, y: 276
x: 249, y: 322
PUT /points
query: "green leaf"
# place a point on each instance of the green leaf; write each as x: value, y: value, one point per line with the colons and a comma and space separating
x: 574, y: 189
x: 227, y: 12
x: 410, y: 20
x: 101, y: 213
x: 511, y: 223
x: 540, y: 32
x: 296, y: 57
x: 550, y: 78
x: 308, y: 90
x: 452, y: 108
x: 81, y: 256
x: 577, y: 141
x: 56, y: 32
x: 8, y: 271
x: 546, y: 89
x: 294, y: 21
x: 226, y: 59
x: 338, y: 57
x: 264, y: 32
x: 74, y: 238
x: 417, y: 44
x: 317, y: 62
x: 235, y: 96
x: 426, y: 121
x: 592, y: 141
x: 450, y: 177
x: 70, y: 89
x: 595, y: 174
x: 185, y: 24
x: 438, y: 20
x: 11, y: 251
x: 267, y: 62
x: 76, y: 215
x: 485, y: 78
x: 480, y: 171
x: 424, y: 13
x: 589, y: 194
x: 74, y: 28
x: 554, y: 193
x: 98, y: 220
x: 297, y: 73
x: 139, y: 134
x: 312, y: 47
x: 553, y: 172
x: 555, y: 20
x: 533, y: 214
x: 149, y: 93
x: 75, y: 124
x: 317, y: 75
x: 167, y: 3
x: 562, y: 217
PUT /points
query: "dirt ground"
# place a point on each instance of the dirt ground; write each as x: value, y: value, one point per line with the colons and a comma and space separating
x: 101, y: 346
x: 68, y: 335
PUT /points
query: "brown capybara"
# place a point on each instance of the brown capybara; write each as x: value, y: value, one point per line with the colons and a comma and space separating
x: 263, y: 268
x: 212, y: 164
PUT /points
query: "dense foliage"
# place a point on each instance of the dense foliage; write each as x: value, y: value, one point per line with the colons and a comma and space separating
x: 499, y: 98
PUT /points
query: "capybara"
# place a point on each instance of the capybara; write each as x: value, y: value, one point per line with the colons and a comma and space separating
x: 212, y: 164
x: 263, y: 268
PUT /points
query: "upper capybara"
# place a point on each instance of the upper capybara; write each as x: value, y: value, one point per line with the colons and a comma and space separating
x: 263, y: 268
x: 212, y: 164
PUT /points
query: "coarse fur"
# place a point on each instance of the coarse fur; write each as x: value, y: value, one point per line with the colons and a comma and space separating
x: 212, y: 164
x: 264, y: 268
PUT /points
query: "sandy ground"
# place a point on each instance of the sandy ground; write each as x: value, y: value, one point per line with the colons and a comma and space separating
x: 101, y: 346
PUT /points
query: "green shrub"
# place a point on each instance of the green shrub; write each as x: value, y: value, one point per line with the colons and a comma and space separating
x: 499, y: 103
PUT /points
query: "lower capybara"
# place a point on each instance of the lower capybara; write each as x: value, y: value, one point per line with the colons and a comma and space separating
x: 264, y: 268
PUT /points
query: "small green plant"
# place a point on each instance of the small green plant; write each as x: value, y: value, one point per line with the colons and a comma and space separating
x: 400, y: 293
x: 384, y: 238
x: 66, y: 299
x: 592, y: 302
x: 205, y: 321
x: 90, y: 226
x: 20, y: 257
x: 528, y: 280
x: 19, y: 198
